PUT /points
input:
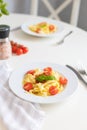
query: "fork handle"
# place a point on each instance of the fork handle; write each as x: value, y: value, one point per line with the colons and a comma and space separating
x: 68, y: 34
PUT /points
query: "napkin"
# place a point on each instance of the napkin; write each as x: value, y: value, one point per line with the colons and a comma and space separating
x: 16, y: 113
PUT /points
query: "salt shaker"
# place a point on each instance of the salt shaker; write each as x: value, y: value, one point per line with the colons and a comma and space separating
x: 5, y: 46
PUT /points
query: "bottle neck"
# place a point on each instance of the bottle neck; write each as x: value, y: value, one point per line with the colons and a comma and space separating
x: 4, y: 40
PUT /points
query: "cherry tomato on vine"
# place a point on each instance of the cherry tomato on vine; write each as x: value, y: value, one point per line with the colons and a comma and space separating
x: 18, y: 49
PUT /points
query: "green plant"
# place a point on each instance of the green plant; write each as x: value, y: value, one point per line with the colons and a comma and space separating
x: 3, y: 9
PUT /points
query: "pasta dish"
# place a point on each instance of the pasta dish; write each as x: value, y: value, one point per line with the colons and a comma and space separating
x: 44, y: 82
x: 43, y: 28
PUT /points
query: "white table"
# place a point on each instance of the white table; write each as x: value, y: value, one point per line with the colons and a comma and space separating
x: 71, y: 114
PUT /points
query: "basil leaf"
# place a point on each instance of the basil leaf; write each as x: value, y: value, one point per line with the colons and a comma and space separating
x: 43, y: 78
x: 3, y: 10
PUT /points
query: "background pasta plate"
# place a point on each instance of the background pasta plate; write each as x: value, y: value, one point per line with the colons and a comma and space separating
x: 36, y: 20
x: 15, y: 83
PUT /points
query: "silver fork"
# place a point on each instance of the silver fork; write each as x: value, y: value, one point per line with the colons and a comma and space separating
x: 66, y: 35
x: 81, y: 69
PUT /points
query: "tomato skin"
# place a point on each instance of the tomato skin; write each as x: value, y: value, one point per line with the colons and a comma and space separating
x: 53, y: 90
x: 19, y: 51
x: 28, y: 86
x: 20, y: 46
x: 38, y: 30
x: 25, y: 50
x: 30, y: 72
x: 14, y: 48
x: 63, y: 80
x: 47, y: 70
x: 51, y: 27
x: 47, y: 73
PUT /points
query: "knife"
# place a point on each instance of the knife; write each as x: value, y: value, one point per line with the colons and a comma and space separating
x: 77, y: 73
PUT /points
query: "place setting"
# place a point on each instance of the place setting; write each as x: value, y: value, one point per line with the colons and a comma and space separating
x: 42, y: 28
x: 30, y: 85
x: 47, y: 75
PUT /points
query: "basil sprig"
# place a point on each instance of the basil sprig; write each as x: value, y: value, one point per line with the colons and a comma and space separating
x: 43, y: 78
x: 3, y: 9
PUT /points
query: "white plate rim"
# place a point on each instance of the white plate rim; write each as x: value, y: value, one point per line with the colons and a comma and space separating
x: 35, y: 20
x: 16, y: 87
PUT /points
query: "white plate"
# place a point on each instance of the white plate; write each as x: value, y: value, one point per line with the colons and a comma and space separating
x: 15, y: 83
x: 36, y: 20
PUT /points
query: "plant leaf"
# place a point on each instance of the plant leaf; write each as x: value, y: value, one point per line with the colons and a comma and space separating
x: 3, y: 10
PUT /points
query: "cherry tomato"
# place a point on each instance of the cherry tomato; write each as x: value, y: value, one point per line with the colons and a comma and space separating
x: 19, y: 51
x: 25, y: 50
x: 14, y: 49
x: 51, y: 27
x: 47, y: 70
x: 63, y: 80
x: 30, y: 72
x: 28, y: 86
x: 53, y: 90
x: 47, y: 73
x: 38, y: 30
x: 20, y: 46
